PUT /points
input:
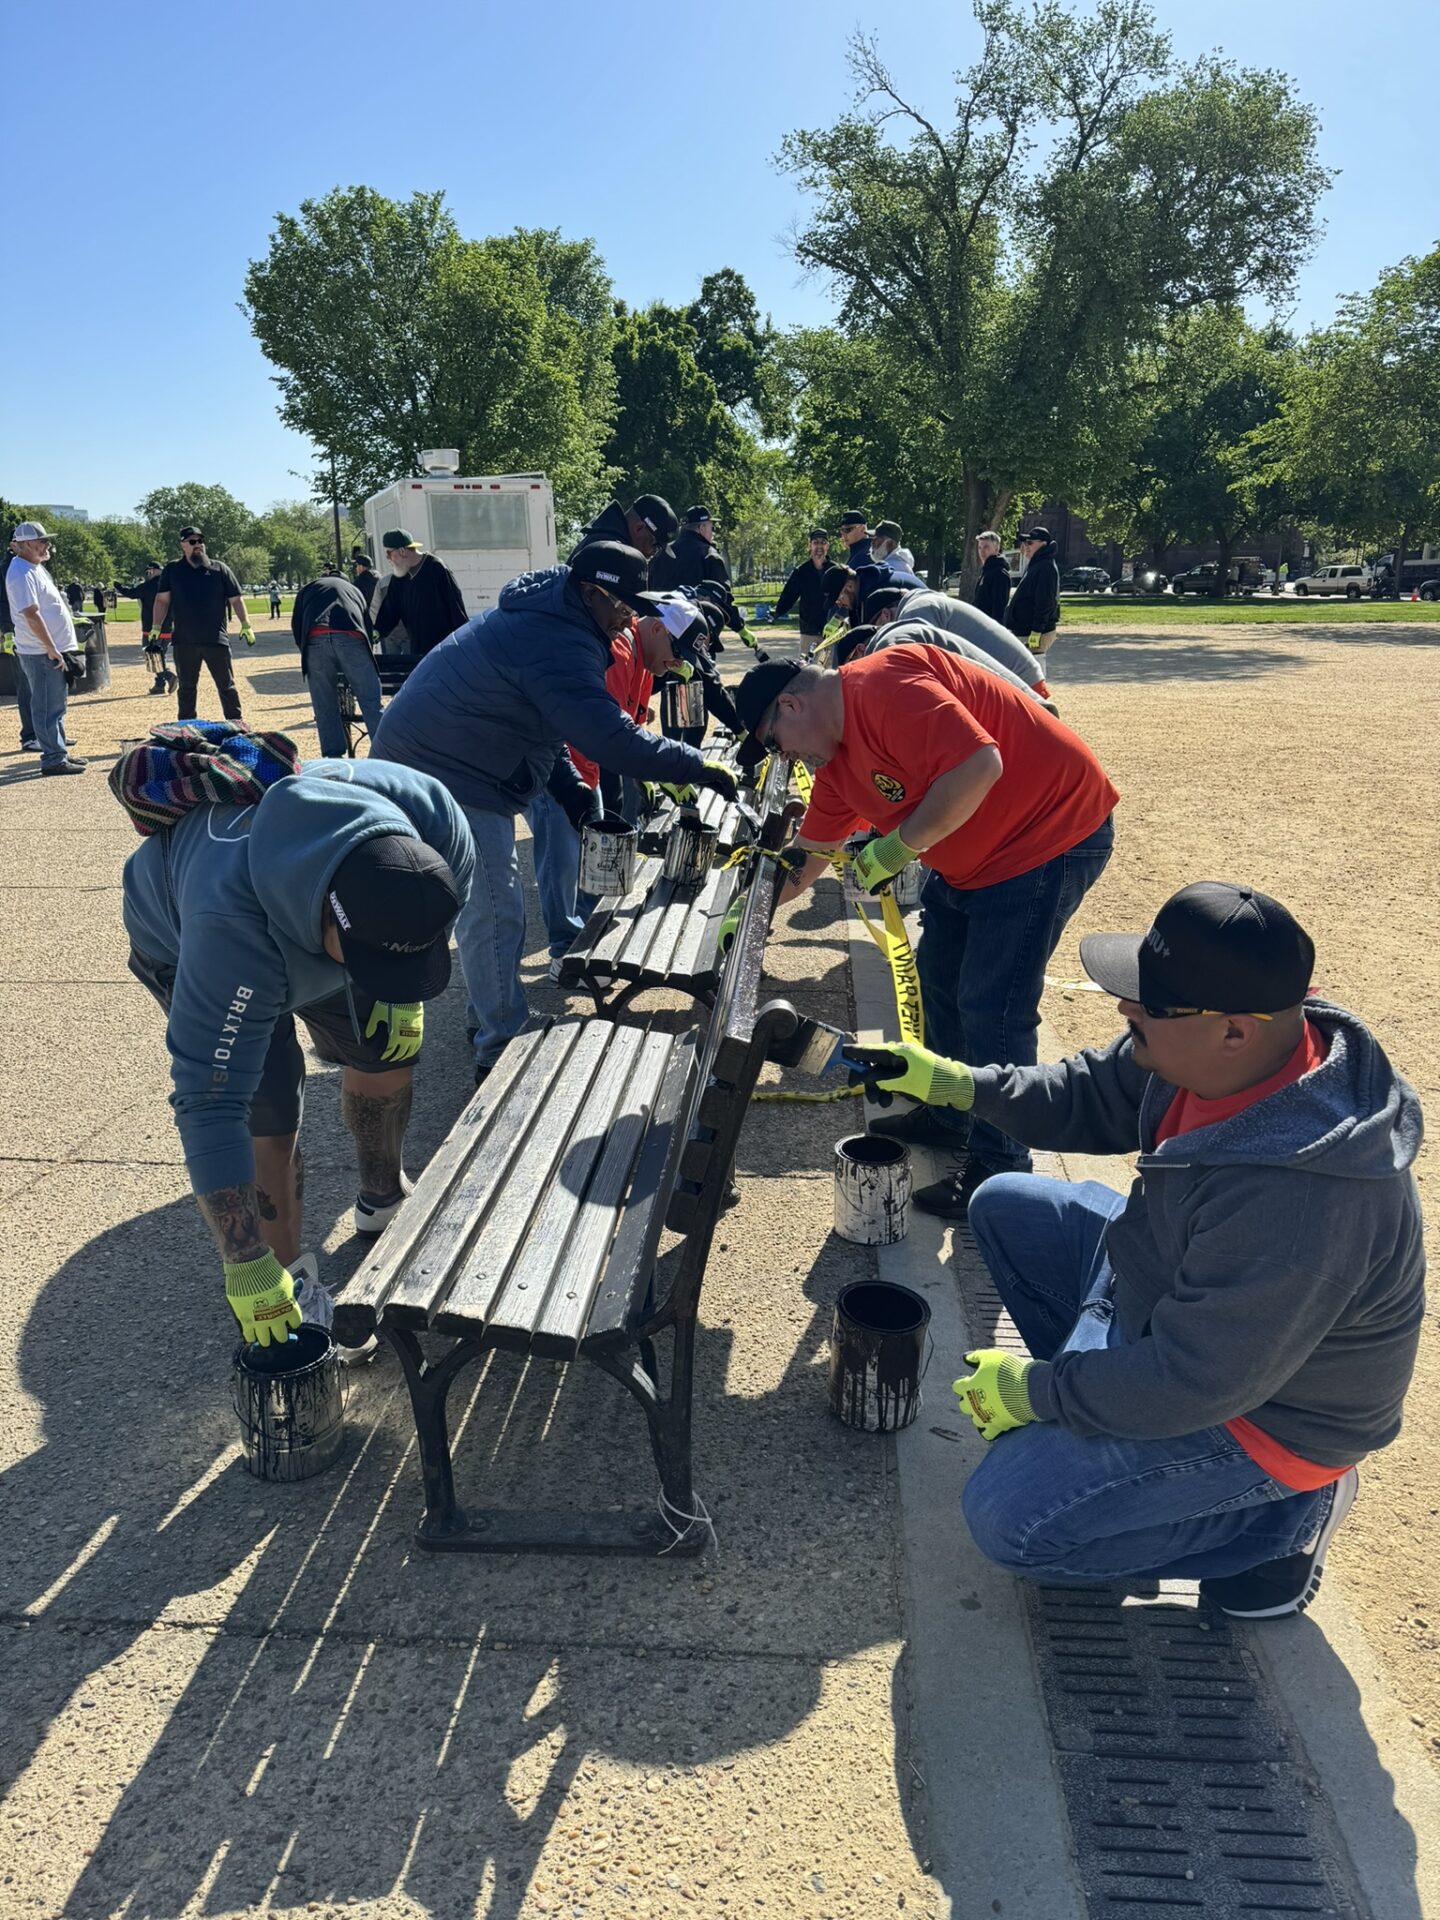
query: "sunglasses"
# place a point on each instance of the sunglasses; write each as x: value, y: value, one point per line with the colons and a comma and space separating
x: 1187, y: 1013
x: 192, y: 543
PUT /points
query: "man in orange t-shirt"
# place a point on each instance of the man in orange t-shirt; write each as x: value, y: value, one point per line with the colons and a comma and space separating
x: 1008, y: 808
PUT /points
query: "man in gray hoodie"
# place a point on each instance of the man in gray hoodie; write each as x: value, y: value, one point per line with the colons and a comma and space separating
x: 1214, y: 1352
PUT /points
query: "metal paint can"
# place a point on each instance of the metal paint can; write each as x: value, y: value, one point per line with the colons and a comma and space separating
x: 907, y: 884
x: 690, y: 849
x: 877, y: 1355
x: 290, y: 1401
x: 872, y: 1189
x: 682, y: 703
x: 607, y: 855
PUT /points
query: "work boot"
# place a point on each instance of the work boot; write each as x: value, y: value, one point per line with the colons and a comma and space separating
x: 159, y: 685
x: 950, y: 1198
x: 171, y: 682
x: 920, y: 1127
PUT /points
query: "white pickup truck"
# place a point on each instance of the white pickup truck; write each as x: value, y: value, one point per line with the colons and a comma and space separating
x: 1353, y: 582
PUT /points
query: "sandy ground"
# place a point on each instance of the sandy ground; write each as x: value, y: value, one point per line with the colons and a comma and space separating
x: 1304, y: 762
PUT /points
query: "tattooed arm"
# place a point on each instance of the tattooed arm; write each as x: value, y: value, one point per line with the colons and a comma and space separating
x: 233, y: 1216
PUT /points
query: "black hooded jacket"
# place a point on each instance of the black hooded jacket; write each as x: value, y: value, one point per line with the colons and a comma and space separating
x: 427, y: 602
x: 687, y: 563
x: 612, y: 524
x: 1035, y: 604
x: 992, y: 589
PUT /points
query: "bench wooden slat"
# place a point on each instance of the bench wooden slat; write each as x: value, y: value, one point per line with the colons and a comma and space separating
x: 544, y: 1251
x: 697, y: 956
x: 370, y: 1288
x: 466, y: 1307
x: 606, y: 951
x: 633, y: 1254
x: 567, y: 1310
x: 678, y: 905
x: 437, y: 1257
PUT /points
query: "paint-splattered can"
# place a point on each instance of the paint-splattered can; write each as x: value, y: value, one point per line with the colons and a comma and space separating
x: 872, y: 1189
x: 290, y: 1402
x: 877, y: 1353
x: 607, y: 856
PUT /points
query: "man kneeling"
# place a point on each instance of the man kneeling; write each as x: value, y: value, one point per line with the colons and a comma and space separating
x: 1214, y: 1351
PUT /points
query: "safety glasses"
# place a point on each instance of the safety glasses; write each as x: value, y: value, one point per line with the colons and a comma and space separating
x: 1187, y: 1013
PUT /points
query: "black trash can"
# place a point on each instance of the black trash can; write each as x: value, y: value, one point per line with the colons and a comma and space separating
x: 91, y: 635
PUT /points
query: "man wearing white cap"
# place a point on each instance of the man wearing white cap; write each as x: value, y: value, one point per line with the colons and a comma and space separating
x: 45, y: 643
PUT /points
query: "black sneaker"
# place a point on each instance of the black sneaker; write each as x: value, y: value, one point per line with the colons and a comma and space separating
x: 1280, y: 1587
x: 66, y: 766
x: 920, y: 1127
x: 31, y: 746
x: 950, y: 1198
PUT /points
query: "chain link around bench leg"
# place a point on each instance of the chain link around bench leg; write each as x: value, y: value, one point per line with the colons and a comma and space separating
x: 429, y: 1390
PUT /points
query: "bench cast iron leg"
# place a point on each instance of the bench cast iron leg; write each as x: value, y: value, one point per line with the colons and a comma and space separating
x: 430, y: 1386
x: 668, y: 1418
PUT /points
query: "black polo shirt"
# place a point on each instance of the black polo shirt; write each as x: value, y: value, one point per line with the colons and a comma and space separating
x: 199, y: 613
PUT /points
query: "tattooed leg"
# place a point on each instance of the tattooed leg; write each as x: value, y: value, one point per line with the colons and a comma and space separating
x: 278, y: 1172
x: 376, y: 1108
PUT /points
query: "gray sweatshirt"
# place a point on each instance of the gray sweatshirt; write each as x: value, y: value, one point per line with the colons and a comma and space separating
x: 1270, y: 1266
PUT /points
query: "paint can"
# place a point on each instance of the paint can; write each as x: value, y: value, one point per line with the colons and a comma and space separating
x: 907, y: 884
x: 290, y: 1401
x: 690, y: 849
x: 872, y: 1189
x: 682, y: 703
x: 607, y: 855
x: 877, y: 1355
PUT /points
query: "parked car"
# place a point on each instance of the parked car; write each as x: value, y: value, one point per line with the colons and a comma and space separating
x: 1084, y: 580
x: 1203, y: 579
x: 1147, y: 580
x: 1352, y: 582
x: 1429, y: 589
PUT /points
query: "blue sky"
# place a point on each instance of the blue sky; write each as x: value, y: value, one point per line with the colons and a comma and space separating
x: 120, y: 301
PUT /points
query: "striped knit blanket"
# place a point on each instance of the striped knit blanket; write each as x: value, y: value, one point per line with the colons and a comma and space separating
x: 197, y: 763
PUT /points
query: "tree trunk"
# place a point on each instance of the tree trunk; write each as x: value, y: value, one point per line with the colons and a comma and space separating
x: 1222, y: 566
x: 1398, y: 590
x: 986, y: 504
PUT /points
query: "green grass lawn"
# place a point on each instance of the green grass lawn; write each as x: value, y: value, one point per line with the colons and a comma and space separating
x: 258, y: 605
x: 1163, y: 610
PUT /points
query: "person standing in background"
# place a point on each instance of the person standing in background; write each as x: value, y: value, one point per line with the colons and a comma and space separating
x: 198, y: 595
x: 855, y: 532
x: 274, y: 599
x: 693, y: 558
x: 423, y: 596
x: 805, y: 589
x: 1033, y: 614
x: 329, y: 623
x: 992, y: 589
x: 145, y: 591
x: 45, y: 643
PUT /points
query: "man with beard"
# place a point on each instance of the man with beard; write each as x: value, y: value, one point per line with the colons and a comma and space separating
x: 195, y: 599
x: 1214, y: 1351
x: 422, y: 595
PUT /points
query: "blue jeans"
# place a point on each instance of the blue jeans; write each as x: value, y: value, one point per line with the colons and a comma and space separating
x: 329, y: 659
x: 981, y: 960
x: 49, y: 696
x: 22, y: 701
x: 557, y: 871
x: 490, y: 935
x: 1071, y: 1508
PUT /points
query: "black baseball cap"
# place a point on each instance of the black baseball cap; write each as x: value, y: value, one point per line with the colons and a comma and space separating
x: 191, y: 533
x: 359, y: 559
x: 1040, y: 533
x: 851, y: 642
x: 694, y: 515
x: 621, y: 570
x: 760, y: 689
x: 834, y: 578
x: 819, y: 533
x: 658, y: 515
x: 854, y: 518
x: 1212, y: 945
x: 395, y: 900
x: 882, y: 597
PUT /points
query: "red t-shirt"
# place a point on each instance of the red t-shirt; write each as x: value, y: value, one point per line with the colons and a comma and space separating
x: 629, y: 681
x: 913, y: 714
x: 1185, y: 1113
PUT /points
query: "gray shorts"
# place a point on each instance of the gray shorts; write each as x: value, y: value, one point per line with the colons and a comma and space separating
x: 279, y: 1100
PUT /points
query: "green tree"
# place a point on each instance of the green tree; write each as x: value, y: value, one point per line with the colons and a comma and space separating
x: 738, y: 350
x: 225, y: 521
x: 130, y: 544
x: 770, y: 535
x: 250, y: 565
x: 1358, y: 437
x: 1009, y: 263
x: 391, y: 333
x: 672, y: 435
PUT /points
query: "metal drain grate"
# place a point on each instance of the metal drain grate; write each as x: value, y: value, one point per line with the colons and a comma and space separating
x: 1183, y: 1796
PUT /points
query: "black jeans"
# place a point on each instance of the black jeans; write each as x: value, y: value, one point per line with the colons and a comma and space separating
x: 189, y: 658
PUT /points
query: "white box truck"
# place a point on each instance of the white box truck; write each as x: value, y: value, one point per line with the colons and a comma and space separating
x: 486, y: 530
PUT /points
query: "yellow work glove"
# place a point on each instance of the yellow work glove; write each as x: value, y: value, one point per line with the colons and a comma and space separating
x: 995, y: 1395
x: 407, y: 1030
x: 880, y: 860
x: 911, y: 1070
x: 247, y: 634
x: 262, y: 1298
x: 683, y: 796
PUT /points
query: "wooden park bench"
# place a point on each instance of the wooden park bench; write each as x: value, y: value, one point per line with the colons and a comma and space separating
x: 536, y: 1229
x: 664, y: 933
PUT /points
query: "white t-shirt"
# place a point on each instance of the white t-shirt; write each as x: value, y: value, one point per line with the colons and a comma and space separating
x: 28, y: 584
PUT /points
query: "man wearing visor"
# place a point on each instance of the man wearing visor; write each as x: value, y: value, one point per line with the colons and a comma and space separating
x: 489, y: 713
x: 1213, y: 1352
x: 331, y: 898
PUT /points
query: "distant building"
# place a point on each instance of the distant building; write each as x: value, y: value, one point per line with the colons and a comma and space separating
x: 63, y: 513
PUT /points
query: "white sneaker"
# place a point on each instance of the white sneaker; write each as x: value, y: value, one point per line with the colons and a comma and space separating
x: 317, y: 1309
x: 555, y: 966
x: 372, y: 1221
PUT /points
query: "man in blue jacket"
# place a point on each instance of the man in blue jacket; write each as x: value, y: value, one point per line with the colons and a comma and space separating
x: 1213, y: 1352
x: 489, y: 713
x: 332, y: 897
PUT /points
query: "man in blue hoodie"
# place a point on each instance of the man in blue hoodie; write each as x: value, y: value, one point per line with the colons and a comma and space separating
x: 489, y: 712
x: 332, y: 897
x: 1215, y: 1351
